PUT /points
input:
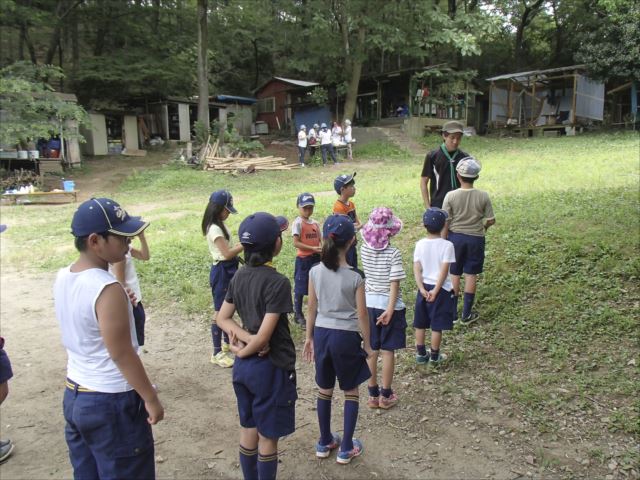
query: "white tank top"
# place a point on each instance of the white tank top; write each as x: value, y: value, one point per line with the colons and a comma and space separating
x: 89, y: 363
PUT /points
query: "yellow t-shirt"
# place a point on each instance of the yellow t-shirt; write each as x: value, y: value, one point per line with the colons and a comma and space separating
x: 214, y: 233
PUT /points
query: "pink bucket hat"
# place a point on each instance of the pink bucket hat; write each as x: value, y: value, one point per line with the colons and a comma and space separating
x: 382, y: 225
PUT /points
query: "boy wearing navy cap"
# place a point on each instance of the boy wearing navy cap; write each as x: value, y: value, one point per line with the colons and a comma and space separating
x: 264, y: 377
x: 470, y: 216
x: 435, y: 299
x: 106, y: 384
x: 345, y: 187
x: 306, y: 239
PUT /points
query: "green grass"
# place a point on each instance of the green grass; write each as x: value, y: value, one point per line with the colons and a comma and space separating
x: 559, y: 297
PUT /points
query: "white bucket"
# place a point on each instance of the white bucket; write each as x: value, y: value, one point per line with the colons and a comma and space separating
x: 34, y: 154
x: 23, y: 154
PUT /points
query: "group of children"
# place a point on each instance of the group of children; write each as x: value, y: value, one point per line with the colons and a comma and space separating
x: 353, y: 317
x: 326, y: 138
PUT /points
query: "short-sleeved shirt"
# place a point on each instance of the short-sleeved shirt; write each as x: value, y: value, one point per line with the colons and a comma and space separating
x: 437, y: 168
x: 381, y: 267
x: 348, y: 209
x: 325, y: 137
x: 432, y: 253
x: 256, y: 291
x: 302, y: 139
x: 336, y: 292
x: 214, y: 233
x: 309, y: 233
x: 468, y: 209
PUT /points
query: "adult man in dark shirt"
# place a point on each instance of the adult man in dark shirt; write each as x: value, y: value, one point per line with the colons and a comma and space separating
x: 439, y: 169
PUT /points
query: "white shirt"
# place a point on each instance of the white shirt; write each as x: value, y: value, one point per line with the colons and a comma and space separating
x: 432, y: 253
x: 312, y: 133
x: 336, y: 134
x: 213, y: 234
x: 347, y: 134
x: 89, y: 363
x: 325, y: 136
x: 302, y: 139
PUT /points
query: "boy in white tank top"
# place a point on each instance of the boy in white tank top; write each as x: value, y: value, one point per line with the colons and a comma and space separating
x: 109, y: 403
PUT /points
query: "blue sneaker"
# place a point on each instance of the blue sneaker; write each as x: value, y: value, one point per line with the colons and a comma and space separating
x: 323, y: 451
x: 422, y: 359
x: 439, y: 361
x: 344, y: 458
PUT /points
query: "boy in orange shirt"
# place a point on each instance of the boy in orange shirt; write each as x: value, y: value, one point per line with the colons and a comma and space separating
x: 345, y: 187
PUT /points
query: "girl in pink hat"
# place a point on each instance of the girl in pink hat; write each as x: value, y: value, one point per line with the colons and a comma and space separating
x: 387, y: 312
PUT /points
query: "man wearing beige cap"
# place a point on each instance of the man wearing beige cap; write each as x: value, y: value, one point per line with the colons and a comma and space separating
x: 439, y: 169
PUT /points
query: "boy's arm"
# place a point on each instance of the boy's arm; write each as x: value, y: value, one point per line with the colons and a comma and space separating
x: 143, y: 253
x: 224, y: 319
x: 442, y: 276
x: 417, y: 275
x: 424, y: 190
x: 260, y: 340
x: 227, y: 253
x: 489, y: 223
x: 312, y: 312
x: 363, y: 319
x: 386, y: 316
x: 303, y: 246
x: 113, y: 319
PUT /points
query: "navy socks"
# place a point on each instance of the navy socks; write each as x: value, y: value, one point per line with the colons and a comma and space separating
x: 267, y: 466
x: 422, y: 350
x: 249, y: 463
x: 351, y: 405
x: 323, y: 407
x: 468, y: 303
x: 215, y: 337
x: 297, y: 305
x: 374, y: 391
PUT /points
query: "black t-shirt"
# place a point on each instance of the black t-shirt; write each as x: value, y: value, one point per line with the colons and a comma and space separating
x: 437, y: 168
x: 256, y: 291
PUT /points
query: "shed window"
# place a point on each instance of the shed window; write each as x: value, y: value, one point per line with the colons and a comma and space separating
x: 267, y: 105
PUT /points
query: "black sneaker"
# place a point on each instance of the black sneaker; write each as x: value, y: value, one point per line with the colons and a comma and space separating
x: 300, y: 320
x: 473, y: 317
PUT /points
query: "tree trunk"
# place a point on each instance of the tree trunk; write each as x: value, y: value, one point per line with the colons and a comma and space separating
x: 354, y: 78
x: 156, y: 16
x: 528, y: 14
x: 24, y: 35
x: 203, y: 71
x: 256, y: 59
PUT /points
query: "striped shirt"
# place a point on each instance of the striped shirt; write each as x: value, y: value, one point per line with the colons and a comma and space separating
x: 381, y: 267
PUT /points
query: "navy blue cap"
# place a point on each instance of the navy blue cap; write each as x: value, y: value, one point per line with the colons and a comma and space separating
x: 341, y: 181
x: 99, y: 215
x: 3, y: 227
x: 261, y: 230
x: 224, y: 198
x: 339, y: 227
x: 434, y: 218
x: 305, y: 199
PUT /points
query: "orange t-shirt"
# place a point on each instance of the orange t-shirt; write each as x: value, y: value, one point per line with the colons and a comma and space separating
x: 348, y: 209
x: 309, y: 233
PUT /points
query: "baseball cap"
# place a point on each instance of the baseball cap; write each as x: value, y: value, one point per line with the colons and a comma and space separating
x: 105, y: 215
x: 453, y: 127
x: 338, y: 227
x: 305, y: 199
x: 224, y: 198
x: 324, y: 125
x: 303, y: 127
x: 468, y: 167
x: 341, y: 181
x: 3, y: 227
x: 434, y: 218
x: 261, y: 230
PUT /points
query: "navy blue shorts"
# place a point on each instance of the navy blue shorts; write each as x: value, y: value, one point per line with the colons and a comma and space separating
x: 5, y: 367
x: 437, y: 315
x: 391, y: 336
x: 301, y: 273
x: 339, y: 354
x: 108, y: 435
x: 469, y: 253
x: 219, y: 277
x: 139, y: 318
x: 266, y: 396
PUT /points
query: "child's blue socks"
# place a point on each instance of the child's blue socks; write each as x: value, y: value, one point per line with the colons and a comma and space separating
x: 267, y: 466
x: 351, y: 405
x: 468, y: 303
x: 323, y: 406
x: 249, y: 463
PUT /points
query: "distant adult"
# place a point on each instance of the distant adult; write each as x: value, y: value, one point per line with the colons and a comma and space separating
x: 336, y: 134
x: 326, y: 146
x: 348, y: 138
x: 302, y: 143
x: 312, y: 139
x: 439, y: 169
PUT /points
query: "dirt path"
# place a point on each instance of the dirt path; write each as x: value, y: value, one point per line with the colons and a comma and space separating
x: 466, y: 434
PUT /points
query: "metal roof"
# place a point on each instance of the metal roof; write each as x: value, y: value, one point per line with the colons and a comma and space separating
x: 236, y: 99
x: 523, y: 76
x: 298, y: 83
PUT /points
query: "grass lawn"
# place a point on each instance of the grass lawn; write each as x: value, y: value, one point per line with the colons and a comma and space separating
x: 559, y: 332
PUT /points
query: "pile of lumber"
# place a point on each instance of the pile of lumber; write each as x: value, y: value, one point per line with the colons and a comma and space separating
x: 211, y: 161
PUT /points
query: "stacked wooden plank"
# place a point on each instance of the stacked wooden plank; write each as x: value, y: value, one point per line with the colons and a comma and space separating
x: 211, y: 161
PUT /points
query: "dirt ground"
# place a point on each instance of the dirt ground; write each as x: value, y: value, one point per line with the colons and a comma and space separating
x: 467, y: 435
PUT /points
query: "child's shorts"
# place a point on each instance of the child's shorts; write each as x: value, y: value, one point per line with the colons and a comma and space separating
x: 437, y: 315
x: 352, y: 256
x: 5, y: 367
x: 107, y: 434
x: 219, y: 277
x: 391, y: 336
x: 139, y: 318
x: 339, y: 354
x: 301, y: 274
x: 266, y: 396
x: 469, y: 253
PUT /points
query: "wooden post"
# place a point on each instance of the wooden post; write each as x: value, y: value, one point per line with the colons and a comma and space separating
x: 509, y: 101
x: 379, y: 100
x: 490, y: 122
x: 575, y: 85
x: 533, y: 102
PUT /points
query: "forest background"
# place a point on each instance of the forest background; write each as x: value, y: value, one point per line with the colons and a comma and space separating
x: 117, y: 51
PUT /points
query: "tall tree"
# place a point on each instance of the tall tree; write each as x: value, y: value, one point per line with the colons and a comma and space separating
x: 203, y: 72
